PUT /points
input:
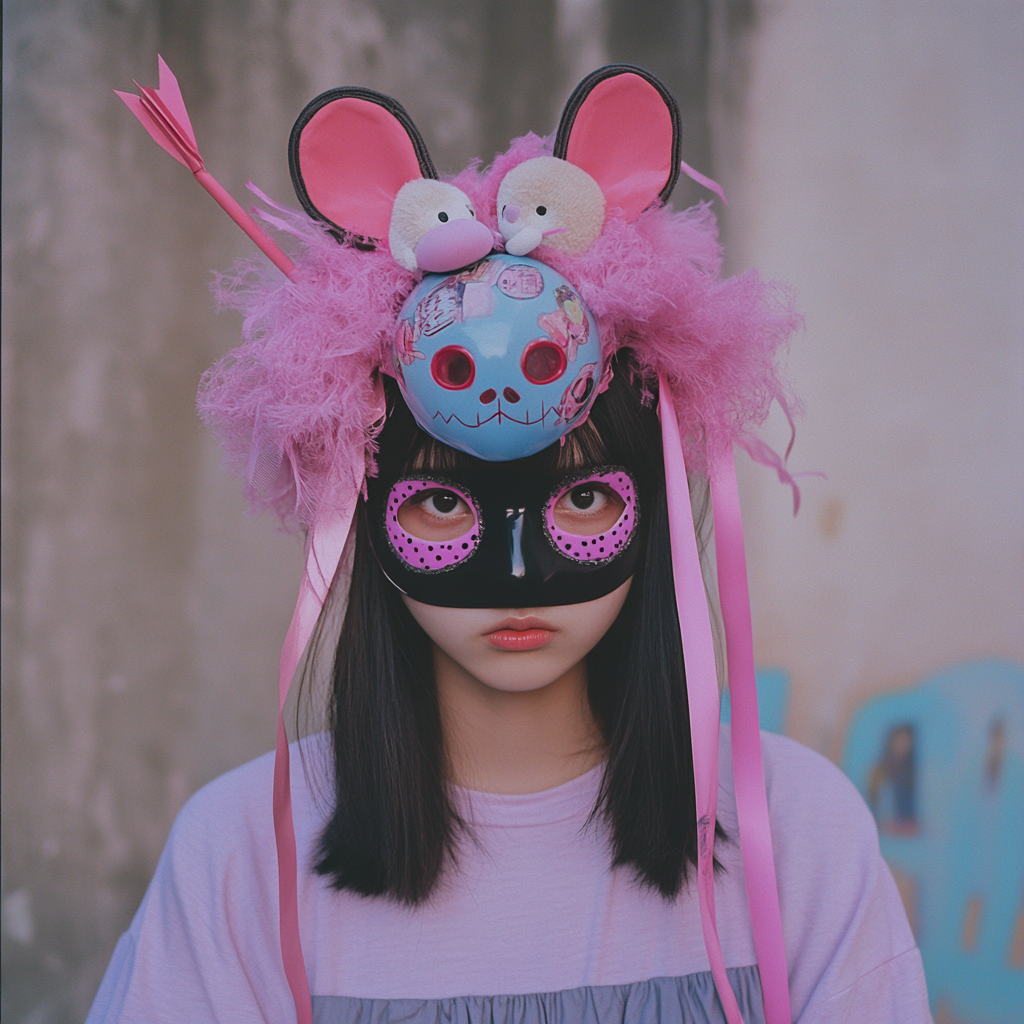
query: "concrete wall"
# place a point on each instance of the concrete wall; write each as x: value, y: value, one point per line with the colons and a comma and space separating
x: 875, y: 160
x: 872, y: 154
x: 142, y: 611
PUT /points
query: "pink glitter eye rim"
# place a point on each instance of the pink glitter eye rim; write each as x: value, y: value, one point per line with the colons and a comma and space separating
x: 430, y: 556
x: 595, y: 549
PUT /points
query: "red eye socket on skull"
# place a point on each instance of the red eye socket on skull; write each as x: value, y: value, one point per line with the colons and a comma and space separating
x: 453, y: 367
x: 543, y: 362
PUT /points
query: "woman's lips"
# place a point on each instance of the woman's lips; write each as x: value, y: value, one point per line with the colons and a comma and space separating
x: 520, y: 635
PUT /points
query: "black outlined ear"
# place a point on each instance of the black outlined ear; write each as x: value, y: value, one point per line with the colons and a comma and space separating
x: 351, y: 151
x: 621, y: 126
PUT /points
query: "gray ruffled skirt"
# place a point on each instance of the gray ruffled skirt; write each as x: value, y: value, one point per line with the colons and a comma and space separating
x: 688, y: 1000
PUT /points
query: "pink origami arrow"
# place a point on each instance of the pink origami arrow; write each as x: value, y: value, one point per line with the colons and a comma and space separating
x: 163, y: 114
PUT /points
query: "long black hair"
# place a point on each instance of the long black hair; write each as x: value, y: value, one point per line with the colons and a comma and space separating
x: 394, y: 829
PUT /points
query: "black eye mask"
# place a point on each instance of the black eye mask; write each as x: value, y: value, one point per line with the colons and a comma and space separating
x: 499, y: 538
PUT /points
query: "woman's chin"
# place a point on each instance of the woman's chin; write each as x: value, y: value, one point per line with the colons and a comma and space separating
x: 518, y: 670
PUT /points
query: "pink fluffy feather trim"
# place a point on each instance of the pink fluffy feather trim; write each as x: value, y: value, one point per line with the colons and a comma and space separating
x: 296, y: 405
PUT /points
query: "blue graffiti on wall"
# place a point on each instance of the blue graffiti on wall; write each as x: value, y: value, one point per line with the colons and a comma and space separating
x: 942, y: 766
x: 772, y: 700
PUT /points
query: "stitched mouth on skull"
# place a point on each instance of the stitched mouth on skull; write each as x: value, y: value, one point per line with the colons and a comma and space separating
x: 501, y: 416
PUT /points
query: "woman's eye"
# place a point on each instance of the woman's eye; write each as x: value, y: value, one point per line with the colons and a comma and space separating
x: 436, y: 515
x: 443, y: 503
x: 584, y: 497
x: 588, y: 508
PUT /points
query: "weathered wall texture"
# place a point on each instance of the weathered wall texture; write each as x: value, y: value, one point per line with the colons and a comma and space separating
x: 142, y: 611
x: 872, y: 157
x: 877, y: 165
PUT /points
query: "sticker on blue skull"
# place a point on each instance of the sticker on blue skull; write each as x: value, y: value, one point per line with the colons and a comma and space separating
x: 499, y: 360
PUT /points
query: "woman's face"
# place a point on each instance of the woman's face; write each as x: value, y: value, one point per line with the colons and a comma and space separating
x: 519, y: 649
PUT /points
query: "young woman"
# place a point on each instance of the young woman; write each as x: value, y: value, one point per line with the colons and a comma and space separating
x: 508, y: 818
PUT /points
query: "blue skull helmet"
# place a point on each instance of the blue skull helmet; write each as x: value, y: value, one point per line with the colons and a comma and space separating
x: 498, y: 360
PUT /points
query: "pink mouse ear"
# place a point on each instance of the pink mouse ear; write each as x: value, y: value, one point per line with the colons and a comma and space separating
x: 350, y: 152
x: 621, y: 126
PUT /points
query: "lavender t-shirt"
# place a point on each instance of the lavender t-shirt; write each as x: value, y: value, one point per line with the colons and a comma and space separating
x: 533, y: 924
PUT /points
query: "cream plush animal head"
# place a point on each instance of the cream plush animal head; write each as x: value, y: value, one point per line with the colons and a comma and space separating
x: 434, y: 223
x: 360, y: 165
x: 547, y: 200
x: 616, y: 152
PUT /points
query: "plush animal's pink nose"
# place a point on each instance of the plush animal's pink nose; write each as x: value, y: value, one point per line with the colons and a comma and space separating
x: 453, y: 245
x: 511, y: 213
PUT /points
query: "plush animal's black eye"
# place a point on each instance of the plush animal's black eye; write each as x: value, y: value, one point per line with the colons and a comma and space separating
x: 472, y: 213
x: 541, y: 210
x: 443, y: 217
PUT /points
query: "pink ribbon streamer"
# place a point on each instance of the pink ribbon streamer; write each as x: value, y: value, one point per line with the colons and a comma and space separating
x: 323, y: 553
x: 703, y: 179
x: 701, y: 683
x: 747, y: 766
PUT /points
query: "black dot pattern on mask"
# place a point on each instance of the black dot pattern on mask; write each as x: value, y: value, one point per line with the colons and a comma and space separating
x: 589, y: 548
x: 408, y: 548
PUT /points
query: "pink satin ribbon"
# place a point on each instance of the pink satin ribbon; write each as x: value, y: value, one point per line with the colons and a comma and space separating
x: 701, y: 684
x: 703, y: 179
x: 324, y: 546
x: 747, y: 766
